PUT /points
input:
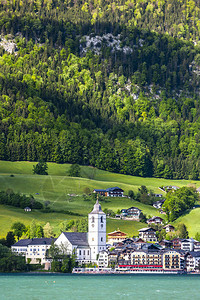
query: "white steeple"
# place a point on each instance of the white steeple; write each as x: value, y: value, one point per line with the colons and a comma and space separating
x: 96, y: 231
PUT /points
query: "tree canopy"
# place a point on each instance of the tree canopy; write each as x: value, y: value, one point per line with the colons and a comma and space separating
x: 177, y: 202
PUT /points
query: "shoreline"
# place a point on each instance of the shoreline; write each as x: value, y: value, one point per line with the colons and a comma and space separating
x: 98, y: 274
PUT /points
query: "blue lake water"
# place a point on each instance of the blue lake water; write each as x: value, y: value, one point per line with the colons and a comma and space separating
x: 19, y: 287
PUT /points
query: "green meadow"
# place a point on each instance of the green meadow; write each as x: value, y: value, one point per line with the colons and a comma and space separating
x: 57, y: 187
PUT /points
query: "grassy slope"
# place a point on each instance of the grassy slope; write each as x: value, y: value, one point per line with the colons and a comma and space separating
x: 57, y: 185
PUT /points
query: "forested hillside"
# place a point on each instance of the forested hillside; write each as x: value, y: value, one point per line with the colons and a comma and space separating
x: 113, y: 84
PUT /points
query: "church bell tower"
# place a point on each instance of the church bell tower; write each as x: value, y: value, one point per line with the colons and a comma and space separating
x: 96, y: 231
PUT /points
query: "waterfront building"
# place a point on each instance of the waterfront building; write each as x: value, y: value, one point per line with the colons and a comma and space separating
x: 146, y: 257
x: 20, y: 248
x: 192, y: 260
x: 103, y: 259
x: 86, y: 246
x: 34, y: 250
x: 37, y: 250
x: 172, y: 260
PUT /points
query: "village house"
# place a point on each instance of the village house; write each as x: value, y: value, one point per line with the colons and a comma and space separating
x: 176, y: 243
x: 158, y: 204
x: 169, y: 228
x: 131, y: 213
x: 27, y: 209
x: 196, y: 246
x: 103, y: 259
x: 116, y: 236
x: 155, y: 220
x: 187, y: 244
x: 192, y: 261
x: 165, y: 244
x: 148, y: 234
x: 110, y: 192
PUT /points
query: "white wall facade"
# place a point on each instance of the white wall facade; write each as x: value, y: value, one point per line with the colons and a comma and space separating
x: 37, y: 253
x: 96, y: 234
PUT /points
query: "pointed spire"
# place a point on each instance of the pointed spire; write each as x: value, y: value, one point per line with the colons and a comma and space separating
x: 97, y: 208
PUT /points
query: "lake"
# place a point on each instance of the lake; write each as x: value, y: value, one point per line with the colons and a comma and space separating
x: 34, y: 286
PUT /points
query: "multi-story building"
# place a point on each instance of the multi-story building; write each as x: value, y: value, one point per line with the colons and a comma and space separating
x: 155, y: 220
x: 171, y: 260
x: 110, y: 192
x: 176, y: 244
x: 34, y: 250
x: 37, y: 250
x: 146, y: 257
x: 193, y: 261
x: 148, y: 234
x: 132, y: 213
x: 116, y: 237
x: 168, y: 228
x: 20, y: 248
x: 103, y: 259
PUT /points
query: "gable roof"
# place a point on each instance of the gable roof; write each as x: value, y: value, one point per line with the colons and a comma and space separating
x: 34, y: 241
x: 146, y: 229
x: 41, y: 241
x: 23, y: 243
x: 117, y: 233
x: 154, y: 218
x: 77, y: 238
x: 113, y: 189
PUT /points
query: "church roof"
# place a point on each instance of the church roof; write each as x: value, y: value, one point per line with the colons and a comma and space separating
x: 77, y: 238
x: 97, y: 209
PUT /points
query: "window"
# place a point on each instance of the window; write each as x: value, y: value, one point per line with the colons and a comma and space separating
x: 83, y: 252
x: 88, y: 252
x: 101, y: 219
x: 101, y: 239
x: 92, y: 239
x: 92, y: 219
x: 79, y: 252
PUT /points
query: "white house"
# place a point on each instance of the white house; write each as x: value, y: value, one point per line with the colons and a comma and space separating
x: 148, y: 234
x: 20, y: 248
x: 169, y: 228
x: 27, y: 209
x: 33, y: 249
x: 103, y: 259
x: 37, y: 249
x: 86, y: 246
x: 155, y: 220
x: 192, y: 260
x: 187, y: 244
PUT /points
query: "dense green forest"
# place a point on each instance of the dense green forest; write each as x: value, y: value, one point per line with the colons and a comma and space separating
x: 112, y: 84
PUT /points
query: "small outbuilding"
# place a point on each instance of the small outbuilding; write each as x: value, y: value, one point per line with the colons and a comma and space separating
x: 27, y: 209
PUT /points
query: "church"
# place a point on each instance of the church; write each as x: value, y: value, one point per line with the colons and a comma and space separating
x: 86, y: 245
